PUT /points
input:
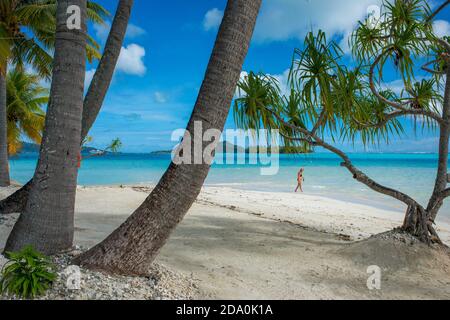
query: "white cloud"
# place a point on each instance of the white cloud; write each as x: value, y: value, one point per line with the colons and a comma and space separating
x: 397, y: 86
x: 131, y: 57
x: 88, y: 78
x: 134, y: 31
x: 344, y: 44
x: 441, y: 28
x: 281, y: 78
x: 160, y: 97
x: 242, y: 77
x: 283, y: 81
x: 293, y: 19
x: 212, y: 19
x: 131, y: 60
x: 102, y: 31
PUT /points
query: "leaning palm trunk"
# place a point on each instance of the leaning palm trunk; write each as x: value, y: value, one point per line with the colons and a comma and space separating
x: 102, y: 77
x: 133, y: 247
x: 94, y: 97
x: 442, y: 178
x: 48, y: 220
x: 4, y: 165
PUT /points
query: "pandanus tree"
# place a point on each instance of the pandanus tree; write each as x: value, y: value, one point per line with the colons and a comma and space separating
x: 95, y: 95
x: 25, y: 117
x: 134, y: 245
x: 27, y: 31
x: 328, y: 100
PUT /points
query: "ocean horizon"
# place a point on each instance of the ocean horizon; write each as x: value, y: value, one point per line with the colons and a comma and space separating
x: 412, y: 173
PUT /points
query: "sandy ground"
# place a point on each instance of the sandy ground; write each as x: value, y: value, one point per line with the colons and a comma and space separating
x: 256, y: 245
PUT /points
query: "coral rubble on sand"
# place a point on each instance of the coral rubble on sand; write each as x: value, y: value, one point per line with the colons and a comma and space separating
x: 161, y: 284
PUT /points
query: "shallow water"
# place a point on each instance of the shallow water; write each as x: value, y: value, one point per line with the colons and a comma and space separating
x: 411, y: 173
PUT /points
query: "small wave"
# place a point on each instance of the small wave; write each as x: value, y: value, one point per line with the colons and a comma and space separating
x: 319, y: 187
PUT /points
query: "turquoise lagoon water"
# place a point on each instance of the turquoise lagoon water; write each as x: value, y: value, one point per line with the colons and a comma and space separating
x: 411, y: 173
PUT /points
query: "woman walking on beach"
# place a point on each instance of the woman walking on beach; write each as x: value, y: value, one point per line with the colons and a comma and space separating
x: 300, y: 180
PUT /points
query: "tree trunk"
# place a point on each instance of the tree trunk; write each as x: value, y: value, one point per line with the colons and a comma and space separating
x: 133, y: 246
x: 417, y: 222
x: 4, y: 162
x: 48, y: 220
x: 94, y: 97
x: 442, y: 179
x: 105, y: 70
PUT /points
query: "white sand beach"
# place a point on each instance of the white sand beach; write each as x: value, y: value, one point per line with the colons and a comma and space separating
x: 258, y: 245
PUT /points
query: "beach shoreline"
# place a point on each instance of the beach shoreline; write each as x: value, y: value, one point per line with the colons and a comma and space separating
x: 413, y: 174
x: 383, y: 204
x: 350, y: 215
x: 239, y: 244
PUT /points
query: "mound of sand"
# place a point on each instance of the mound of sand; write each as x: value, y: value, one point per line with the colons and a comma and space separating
x: 396, y: 250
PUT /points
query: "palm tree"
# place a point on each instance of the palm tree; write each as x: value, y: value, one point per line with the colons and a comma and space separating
x: 94, y: 97
x: 4, y: 165
x: 48, y: 220
x: 331, y: 100
x: 113, y: 148
x: 133, y: 247
x: 25, y: 97
x: 27, y: 31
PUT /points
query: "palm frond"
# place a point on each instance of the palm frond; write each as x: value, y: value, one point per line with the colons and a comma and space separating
x: 25, y: 116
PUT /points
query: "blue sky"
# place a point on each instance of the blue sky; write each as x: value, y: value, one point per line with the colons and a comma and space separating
x: 167, y: 49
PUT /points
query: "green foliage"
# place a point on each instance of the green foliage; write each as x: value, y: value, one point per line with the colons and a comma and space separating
x: 330, y: 97
x: 25, y: 98
x: 86, y: 140
x: 28, y: 274
x: 38, y: 17
x: 258, y: 91
x: 114, y: 146
x: 401, y: 35
x: 314, y: 67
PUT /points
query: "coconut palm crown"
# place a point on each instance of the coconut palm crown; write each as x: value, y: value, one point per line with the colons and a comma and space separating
x: 27, y: 33
x: 25, y: 116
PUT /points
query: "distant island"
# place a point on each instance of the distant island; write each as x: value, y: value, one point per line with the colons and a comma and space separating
x: 226, y: 147
x: 32, y: 148
x: 161, y: 152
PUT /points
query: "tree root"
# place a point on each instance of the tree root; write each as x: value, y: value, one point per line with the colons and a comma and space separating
x: 418, y: 223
